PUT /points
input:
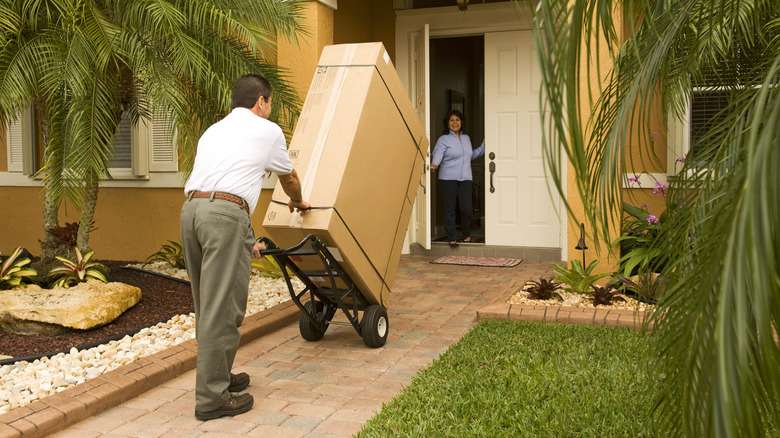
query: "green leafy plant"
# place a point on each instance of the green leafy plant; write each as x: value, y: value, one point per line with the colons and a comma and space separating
x: 170, y: 253
x: 74, y: 272
x: 605, y: 295
x: 13, y: 271
x: 578, y: 279
x: 648, y: 286
x: 639, y: 233
x: 267, y: 267
x: 544, y: 289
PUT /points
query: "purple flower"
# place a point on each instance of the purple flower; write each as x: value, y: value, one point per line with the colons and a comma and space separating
x: 660, y: 189
x: 682, y: 160
x: 652, y: 219
x: 635, y: 179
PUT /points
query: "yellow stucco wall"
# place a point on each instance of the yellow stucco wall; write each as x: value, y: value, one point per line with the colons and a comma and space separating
x: 638, y: 161
x: 301, y: 59
x: 131, y: 224
x: 603, y: 252
x: 360, y: 21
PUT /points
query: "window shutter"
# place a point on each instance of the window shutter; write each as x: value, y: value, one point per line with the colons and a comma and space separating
x: 121, y: 157
x: 15, y: 146
x: 164, y: 157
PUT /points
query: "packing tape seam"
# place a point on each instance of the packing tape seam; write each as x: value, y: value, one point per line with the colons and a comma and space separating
x: 381, y: 277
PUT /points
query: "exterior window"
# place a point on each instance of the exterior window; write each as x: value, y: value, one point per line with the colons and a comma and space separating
x: 705, y: 108
x: 701, y: 114
x: 139, y: 149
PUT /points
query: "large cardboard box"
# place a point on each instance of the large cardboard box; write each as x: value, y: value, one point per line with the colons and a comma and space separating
x: 359, y: 151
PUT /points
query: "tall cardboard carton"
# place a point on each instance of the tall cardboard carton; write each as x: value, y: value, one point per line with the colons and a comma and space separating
x: 359, y: 151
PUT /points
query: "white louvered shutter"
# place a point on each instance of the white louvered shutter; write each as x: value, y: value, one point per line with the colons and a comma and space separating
x: 15, y: 146
x: 164, y: 157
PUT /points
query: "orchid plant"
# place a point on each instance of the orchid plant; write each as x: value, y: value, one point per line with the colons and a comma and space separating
x: 641, y: 228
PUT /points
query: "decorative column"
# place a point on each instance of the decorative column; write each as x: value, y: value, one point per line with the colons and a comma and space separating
x: 301, y: 59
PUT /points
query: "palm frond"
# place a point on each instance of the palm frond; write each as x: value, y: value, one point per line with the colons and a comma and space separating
x: 716, y: 322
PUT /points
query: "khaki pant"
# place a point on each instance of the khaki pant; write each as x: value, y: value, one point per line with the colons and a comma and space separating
x: 217, y: 239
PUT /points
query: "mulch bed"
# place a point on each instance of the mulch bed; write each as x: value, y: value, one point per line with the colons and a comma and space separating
x: 161, y: 299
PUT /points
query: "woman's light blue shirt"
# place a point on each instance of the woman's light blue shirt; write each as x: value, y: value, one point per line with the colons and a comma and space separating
x: 453, y: 155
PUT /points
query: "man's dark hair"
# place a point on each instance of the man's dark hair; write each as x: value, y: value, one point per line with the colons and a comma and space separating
x: 248, y: 88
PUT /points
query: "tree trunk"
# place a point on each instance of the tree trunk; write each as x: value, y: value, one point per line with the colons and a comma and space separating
x: 91, y: 186
x: 50, y: 245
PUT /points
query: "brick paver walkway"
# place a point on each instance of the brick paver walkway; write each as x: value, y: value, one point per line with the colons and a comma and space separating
x: 328, y: 388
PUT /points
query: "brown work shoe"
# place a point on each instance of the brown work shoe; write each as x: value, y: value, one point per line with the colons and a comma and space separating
x: 238, y: 382
x: 236, y: 404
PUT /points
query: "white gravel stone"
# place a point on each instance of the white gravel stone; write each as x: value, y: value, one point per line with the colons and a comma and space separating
x: 24, y: 382
x: 576, y: 300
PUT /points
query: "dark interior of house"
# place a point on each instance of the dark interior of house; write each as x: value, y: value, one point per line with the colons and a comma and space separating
x: 457, y: 82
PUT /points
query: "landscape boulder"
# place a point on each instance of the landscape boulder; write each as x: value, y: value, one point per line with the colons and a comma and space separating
x: 87, y: 305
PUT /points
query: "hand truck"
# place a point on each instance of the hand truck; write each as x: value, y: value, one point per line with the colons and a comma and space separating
x: 336, y: 290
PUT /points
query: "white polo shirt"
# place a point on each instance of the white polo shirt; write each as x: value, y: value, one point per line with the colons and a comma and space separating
x: 234, y: 155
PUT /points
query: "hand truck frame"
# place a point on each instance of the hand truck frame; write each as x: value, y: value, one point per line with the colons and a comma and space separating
x: 317, y: 313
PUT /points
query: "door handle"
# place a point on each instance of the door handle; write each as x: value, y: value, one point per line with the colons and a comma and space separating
x: 492, y: 168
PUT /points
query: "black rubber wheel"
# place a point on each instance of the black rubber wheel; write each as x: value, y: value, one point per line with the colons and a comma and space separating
x: 309, y: 330
x: 375, y: 326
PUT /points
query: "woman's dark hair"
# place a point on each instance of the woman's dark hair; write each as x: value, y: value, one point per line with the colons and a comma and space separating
x: 248, y: 88
x: 457, y: 114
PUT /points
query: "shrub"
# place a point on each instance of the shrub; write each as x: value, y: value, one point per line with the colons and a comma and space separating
x: 578, y: 279
x: 80, y: 270
x: 170, y: 253
x: 604, y: 295
x: 544, y: 289
x: 648, y: 286
x: 13, y: 271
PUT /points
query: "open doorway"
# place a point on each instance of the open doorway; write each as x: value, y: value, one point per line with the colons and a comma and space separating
x: 457, y: 77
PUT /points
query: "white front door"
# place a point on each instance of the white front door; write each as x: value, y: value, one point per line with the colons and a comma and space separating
x: 420, y: 77
x: 519, y: 208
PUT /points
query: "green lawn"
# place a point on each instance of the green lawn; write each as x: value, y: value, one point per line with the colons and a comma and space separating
x: 518, y: 379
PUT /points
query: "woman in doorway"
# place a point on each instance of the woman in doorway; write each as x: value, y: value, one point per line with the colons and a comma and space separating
x: 452, y: 156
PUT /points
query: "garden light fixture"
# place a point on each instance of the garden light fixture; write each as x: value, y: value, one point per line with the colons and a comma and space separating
x: 581, y: 244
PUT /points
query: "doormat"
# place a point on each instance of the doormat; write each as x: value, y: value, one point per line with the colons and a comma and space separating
x: 495, y: 262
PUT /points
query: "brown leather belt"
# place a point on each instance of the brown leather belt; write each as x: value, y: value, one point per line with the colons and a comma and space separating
x: 223, y: 196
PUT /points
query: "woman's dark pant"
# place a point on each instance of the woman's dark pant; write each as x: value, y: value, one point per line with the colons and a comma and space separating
x: 460, y: 192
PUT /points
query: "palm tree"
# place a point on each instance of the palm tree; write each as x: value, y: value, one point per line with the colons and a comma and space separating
x: 716, y: 350
x: 85, y: 63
